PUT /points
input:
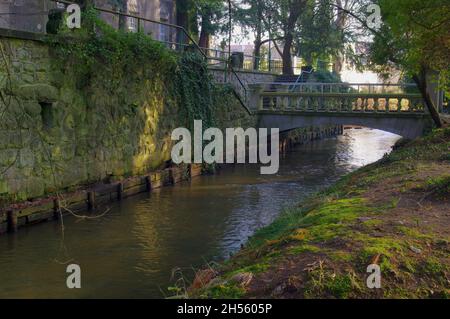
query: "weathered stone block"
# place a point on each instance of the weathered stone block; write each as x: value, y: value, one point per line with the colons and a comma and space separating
x: 34, y: 187
x: 26, y: 158
x: 3, y: 187
x: 8, y: 157
x: 29, y: 67
x: 33, y: 108
x: 40, y: 92
x: 96, y: 171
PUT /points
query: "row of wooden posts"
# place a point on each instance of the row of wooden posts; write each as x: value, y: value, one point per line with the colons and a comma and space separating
x: 91, y: 199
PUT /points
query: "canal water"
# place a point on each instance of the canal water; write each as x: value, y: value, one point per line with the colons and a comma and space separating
x: 132, y: 251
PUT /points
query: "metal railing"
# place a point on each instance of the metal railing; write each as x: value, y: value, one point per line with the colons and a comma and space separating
x: 357, y: 88
x: 173, y: 36
x: 138, y: 24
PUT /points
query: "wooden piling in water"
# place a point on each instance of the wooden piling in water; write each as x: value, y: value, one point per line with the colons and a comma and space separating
x: 12, y: 220
x: 56, y: 209
x: 120, y: 191
x: 148, y: 183
x: 78, y: 201
x: 91, y: 200
x: 171, y: 177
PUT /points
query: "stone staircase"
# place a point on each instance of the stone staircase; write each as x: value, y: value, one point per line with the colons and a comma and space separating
x: 306, y: 76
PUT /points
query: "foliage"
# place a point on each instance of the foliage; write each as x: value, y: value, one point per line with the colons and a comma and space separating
x: 97, y: 44
x: 415, y: 36
x: 211, y: 12
x: 309, y: 29
x: 225, y: 291
x: 204, y: 15
x: 97, y: 53
x: 251, y: 14
x: 317, y: 37
x: 195, y: 90
x: 327, y: 77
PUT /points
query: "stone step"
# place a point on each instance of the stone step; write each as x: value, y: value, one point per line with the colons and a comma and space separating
x: 293, y: 78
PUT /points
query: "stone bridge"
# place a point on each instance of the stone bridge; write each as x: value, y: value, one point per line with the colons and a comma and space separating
x: 398, y: 109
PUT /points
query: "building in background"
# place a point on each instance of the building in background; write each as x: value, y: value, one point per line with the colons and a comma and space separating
x: 24, y: 15
x: 32, y: 15
x: 156, y: 10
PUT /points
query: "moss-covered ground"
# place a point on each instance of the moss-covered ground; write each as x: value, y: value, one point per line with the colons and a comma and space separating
x: 394, y: 213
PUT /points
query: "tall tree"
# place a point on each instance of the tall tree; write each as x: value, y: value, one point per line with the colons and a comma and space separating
x: 252, y: 14
x: 307, y: 29
x: 186, y: 18
x: 342, y: 7
x: 415, y: 37
x: 183, y: 8
x: 317, y: 37
x: 289, y: 13
x: 210, y: 13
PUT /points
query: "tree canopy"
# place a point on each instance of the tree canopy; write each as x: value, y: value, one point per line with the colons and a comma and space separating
x: 415, y: 37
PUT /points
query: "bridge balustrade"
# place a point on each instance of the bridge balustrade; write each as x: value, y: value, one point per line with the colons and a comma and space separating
x: 338, y: 98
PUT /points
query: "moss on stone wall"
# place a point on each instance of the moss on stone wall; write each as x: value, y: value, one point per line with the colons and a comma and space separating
x: 97, y: 106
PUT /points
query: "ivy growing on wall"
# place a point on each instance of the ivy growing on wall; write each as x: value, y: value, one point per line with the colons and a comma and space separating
x: 101, y: 107
x: 118, y: 60
x: 195, y: 90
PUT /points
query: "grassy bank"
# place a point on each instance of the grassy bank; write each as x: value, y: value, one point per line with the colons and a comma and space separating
x: 394, y: 213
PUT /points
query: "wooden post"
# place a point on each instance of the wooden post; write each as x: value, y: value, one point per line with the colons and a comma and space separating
x: 12, y: 221
x: 171, y: 177
x: 91, y: 200
x: 189, y: 171
x: 148, y: 182
x: 56, y: 208
x: 120, y: 191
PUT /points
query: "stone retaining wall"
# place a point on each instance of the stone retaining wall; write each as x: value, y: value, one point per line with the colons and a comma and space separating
x: 56, y: 137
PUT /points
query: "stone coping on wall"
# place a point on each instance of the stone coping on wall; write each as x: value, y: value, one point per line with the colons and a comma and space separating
x: 244, y: 71
x: 25, y: 35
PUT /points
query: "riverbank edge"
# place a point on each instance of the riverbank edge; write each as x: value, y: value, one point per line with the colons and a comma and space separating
x: 95, y: 198
x: 393, y: 214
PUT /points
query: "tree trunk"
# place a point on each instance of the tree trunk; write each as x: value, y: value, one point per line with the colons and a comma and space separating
x: 338, y: 63
x: 203, y: 42
x: 340, y: 22
x: 258, y: 36
x: 295, y: 10
x: 182, y: 20
x: 421, y: 81
x: 257, y: 52
x: 287, y: 57
x: 204, y: 39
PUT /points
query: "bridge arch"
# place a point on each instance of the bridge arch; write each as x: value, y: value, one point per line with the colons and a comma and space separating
x: 408, y: 126
x: 395, y: 108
